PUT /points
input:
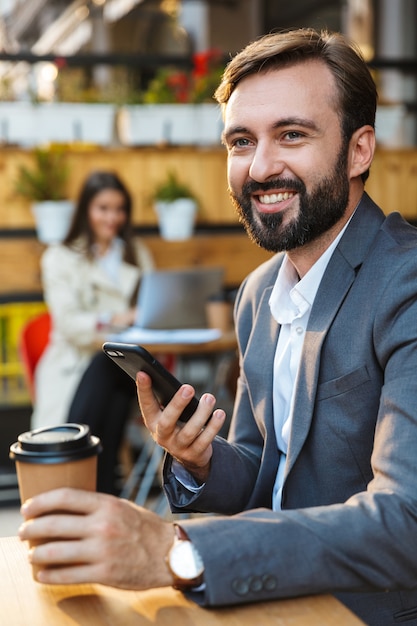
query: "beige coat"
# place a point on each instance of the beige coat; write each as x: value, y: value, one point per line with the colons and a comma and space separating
x: 76, y: 291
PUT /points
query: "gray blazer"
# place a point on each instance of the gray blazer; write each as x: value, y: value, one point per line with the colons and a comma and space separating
x: 349, y: 519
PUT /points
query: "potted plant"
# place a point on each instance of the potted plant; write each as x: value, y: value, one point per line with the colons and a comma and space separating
x: 44, y: 185
x: 176, y: 207
x: 178, y: 106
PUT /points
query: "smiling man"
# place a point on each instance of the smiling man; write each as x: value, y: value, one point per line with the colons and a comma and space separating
x: 288, y: 167
x: 315, y: 488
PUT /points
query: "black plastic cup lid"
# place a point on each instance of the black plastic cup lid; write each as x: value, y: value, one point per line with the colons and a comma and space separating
x: 55, y: 444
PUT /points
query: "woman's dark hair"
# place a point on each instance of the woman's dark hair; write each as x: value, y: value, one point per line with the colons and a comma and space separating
x: 80, y: 227
x: 356, y: 90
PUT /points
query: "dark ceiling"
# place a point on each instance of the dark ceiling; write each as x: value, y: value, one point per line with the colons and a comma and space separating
x: 300, y: 13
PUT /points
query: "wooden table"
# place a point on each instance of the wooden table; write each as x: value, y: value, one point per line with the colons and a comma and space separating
x: 24, y: 602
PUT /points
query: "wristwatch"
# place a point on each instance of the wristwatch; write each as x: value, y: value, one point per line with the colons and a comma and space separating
x: 184, y: 562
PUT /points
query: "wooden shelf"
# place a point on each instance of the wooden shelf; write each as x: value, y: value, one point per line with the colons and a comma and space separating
x: 234, y: 251
x: 392, y: 183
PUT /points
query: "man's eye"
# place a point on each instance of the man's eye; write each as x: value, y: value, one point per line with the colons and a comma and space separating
x: 241, y: 142
x: 292, y: 135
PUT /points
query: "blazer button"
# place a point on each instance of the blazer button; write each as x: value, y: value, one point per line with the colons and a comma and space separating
x: 240, y: 586
x: 255, y: 584
x: 269, y: 582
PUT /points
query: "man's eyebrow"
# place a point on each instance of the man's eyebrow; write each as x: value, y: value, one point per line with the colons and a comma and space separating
x: 281, y: 123
x: 235, y: 130
x: 295, y: 121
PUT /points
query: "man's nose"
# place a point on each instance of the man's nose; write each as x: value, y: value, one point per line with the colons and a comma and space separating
x: 266, y: 163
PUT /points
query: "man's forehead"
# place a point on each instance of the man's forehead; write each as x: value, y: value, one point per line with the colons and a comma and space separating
x: 310, y: 73
x: 300, y: 87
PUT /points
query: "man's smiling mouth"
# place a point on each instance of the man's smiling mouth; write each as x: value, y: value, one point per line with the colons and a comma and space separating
x: 272, y: 198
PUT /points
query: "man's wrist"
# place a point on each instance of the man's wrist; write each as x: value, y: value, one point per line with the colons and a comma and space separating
x: 184, y: 562
x: 200, y: 474
x: 183, y: 476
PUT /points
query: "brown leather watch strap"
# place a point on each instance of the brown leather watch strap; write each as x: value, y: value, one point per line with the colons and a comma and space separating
x: 180, y: 533
x: 176, y: 567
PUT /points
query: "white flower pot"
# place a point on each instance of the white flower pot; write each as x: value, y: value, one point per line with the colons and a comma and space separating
x: 52, y: 219
x: 175, y: 124
x: 28, y: 124
x: 176, y: 219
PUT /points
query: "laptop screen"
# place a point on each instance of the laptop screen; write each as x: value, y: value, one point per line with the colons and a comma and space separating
x: 170, y: 299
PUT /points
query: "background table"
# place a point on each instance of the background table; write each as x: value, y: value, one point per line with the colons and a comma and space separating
x: 175, y: 354
x: 226, y: 341
x: 24, y: 602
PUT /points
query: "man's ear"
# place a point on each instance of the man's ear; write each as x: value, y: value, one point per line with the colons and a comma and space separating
x: 361, y: 150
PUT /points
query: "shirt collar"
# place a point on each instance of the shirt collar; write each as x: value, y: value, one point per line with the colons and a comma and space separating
x: 291, y: 296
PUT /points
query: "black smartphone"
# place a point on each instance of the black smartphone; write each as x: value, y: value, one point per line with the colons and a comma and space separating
x: 133, y: 358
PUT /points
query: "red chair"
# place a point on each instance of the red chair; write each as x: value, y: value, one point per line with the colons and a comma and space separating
x: 33, y: 341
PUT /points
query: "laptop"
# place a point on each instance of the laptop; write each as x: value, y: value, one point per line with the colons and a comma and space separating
x: 174, y: 299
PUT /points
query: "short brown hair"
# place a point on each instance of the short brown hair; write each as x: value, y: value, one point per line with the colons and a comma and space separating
x: 357, y: 94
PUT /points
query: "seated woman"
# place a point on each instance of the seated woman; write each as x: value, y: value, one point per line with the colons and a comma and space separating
x: 90, y: 283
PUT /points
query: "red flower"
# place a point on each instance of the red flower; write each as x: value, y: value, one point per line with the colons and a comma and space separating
x: 195, y: 86
x: 206, y: 61
x: 60, y: 62
x: 179, y: 84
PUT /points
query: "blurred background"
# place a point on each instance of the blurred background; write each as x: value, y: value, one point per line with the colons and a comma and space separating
x: 122, y: 51
x: 127, y: 85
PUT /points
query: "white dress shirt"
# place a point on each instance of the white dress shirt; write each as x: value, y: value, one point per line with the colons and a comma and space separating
x: 290, y: 303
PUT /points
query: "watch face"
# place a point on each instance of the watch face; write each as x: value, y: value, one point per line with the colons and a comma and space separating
x: 185, y: 561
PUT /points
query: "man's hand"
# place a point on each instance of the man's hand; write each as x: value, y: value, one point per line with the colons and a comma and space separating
x: 97, y: 538
x: 191, y: 442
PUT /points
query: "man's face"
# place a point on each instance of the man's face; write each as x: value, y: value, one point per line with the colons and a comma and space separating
x: 287, y: 164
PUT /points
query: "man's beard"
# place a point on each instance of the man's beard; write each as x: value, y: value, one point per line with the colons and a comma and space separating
x: 319, y: 210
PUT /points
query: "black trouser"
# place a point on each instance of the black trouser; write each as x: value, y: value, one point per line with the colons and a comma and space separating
x: 103, y: 400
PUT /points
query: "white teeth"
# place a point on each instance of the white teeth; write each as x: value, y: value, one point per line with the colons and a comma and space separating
x: 275, y: 197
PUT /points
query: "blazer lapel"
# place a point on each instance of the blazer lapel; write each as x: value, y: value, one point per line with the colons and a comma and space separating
x: 333, y: 288
x: 337, y: 280
x: 259, y: 359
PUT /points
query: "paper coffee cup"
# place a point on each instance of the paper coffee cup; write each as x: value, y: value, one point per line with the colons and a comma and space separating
x: 219, y: 315
x: 53, y: 457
